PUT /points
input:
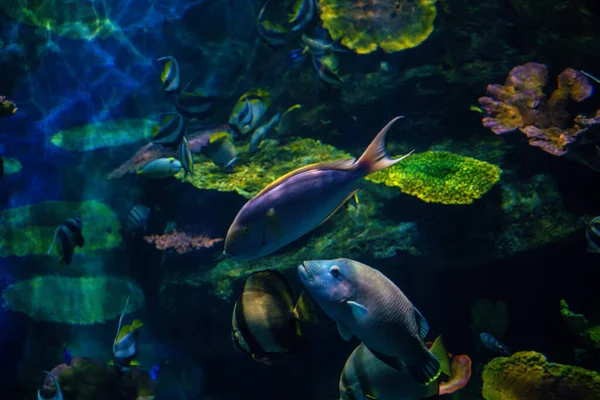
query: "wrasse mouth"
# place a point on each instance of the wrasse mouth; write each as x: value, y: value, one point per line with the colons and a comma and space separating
x: 304, y: 272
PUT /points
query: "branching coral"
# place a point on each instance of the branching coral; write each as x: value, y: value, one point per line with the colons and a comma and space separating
x: 182, y: 242
x: 521, y: 104
x: 77, y: 301
x: 391, y: 25
x: 527, y: 375
x: 7, y: 107
x: 440, y: 177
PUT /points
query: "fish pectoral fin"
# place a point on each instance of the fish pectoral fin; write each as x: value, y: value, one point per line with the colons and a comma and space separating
x: 344, y: 332
x: 358, y: 310
x: 392, y: 361
x: 439, y: 351
x: 305, y: 310
x: 273, y: 223
x: 423, y: 326
x: 351, y: 195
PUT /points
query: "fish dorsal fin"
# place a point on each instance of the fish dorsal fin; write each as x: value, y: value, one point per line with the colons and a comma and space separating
x: 166, y: 70
x: 439, y: 351
x: 344, y: 332
x: 305, y: 310
x: 343, y: 165
x: 358, y: 310
x: 126, y: 330
x: 136, y: 324
x: 272, y: 282
x: 349, y: 197
x: 423, y: 326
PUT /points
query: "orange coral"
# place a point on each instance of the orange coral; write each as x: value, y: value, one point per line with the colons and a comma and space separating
x: 182, y: 242
x: 521, y: 104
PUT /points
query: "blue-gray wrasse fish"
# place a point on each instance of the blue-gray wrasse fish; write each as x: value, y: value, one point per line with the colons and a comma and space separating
x: 365, y: 377
x: 170, y: 77
x: 303, y: 15
x: 260, y: 133
x: 170, y: 131
x: 300, y: 201
x: 366, y: 304
x: 66, y: 237
x: 592, y: 235
x: 161, y: 168
x: 493, y: 344
x: 185, y: 158
x: 57, y: 395
x: 266, y: 319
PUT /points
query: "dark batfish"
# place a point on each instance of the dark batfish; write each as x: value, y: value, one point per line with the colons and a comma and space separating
x: 592, y: 234
x: 494, y: 344
x: 265, y: 319
x: 66, y: 237
x: 137, y: 219
x: 170, y: 131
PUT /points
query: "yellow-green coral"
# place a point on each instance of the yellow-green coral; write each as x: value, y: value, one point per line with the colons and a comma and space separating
x: 391, y: 25
x: 527, y: 375
x: 440, y: 177
x: 29, y: 230
x: 11, y: 166
x: 109, y: 133
x: 253, y: 172
x: 77, y: 301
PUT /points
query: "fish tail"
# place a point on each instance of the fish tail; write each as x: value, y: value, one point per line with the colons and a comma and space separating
x: 426, y: 372
x: 305, y: 309
x: 375, y: 158
x: 439, y: 351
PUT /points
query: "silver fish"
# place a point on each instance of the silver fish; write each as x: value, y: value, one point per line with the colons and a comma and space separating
x: 300, y: 201
x: 494, y: 344
x: 161, y: 168
x: 366, y: 304
x: 170, y: 77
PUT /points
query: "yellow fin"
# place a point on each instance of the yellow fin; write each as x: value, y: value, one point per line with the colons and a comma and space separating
x: 351, y: 195
x: 439, y: 351
x: 124, y: 332
x: 134, y: 363
x: 167, y: 118
x: 273, y: 223
x: 343, y: 165
x: 218, y: 135
x: 155, y: 130
x: 305, y: 310
x: 111, y: 362
x: 166, y: 70
x: 136, y: 324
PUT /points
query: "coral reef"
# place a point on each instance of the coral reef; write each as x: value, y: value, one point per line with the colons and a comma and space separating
x: 489, y: 317
x: 29, y: 230
x: 389, y: 25
x: 527, y: 375
x: 7, y: 107
x: 440, y: 177
x: 253, y: 172
x: 182, y: 242
x: 76, y: 301
x: 109, y: 133
x: 588, y: 333
x: 521, y: 104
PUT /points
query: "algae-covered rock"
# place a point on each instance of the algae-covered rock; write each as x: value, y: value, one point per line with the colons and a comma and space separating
x: 29, y: 230
x: 253, y: 172
x: 11, y: 165
x: 351, y: 233
x: 76, y: 301
x: 440, y: 177
x: 390, y: 25
x: 111, y: 133
x: 588, y: 332
x: 527, y: 375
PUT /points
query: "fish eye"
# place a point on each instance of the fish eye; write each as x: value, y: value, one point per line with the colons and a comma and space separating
x: 334, y: 271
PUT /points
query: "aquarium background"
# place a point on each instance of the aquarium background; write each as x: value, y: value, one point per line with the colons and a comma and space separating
x: 482, y: 231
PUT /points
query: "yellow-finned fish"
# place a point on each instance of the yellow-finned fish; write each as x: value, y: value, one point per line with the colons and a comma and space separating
x: 170, y: 76
x: 161, y: 168
x: 124, y: 348
x: 249, y: 110
x: 265, y: 319
x: 300, y: 201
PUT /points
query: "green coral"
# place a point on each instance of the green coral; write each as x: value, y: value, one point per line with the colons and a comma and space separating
x: 11, y: 165
x: 352, y: 233
x: 111, y: 133
x: 77, y: 301
x: 253, y: 172
x: 527, y: 375
x: 440, y: 177
x: 29, y: 230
